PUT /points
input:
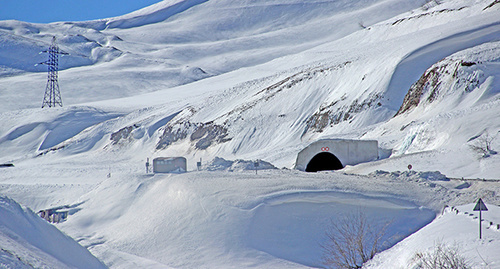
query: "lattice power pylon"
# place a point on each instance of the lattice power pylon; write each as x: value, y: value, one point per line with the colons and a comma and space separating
x: 52, y: 95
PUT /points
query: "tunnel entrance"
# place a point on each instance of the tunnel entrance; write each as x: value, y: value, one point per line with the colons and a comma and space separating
x: 324, y: 161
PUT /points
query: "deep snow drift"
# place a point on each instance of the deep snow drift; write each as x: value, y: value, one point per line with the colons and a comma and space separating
x: 27, y: 241
x: 252, y: 80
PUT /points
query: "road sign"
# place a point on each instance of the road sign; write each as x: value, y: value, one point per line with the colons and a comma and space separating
x: 480, y: 206
x: 325, y: 149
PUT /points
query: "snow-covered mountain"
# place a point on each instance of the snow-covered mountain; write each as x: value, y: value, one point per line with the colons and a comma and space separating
x: 177, y: 42
x: 243, y: 80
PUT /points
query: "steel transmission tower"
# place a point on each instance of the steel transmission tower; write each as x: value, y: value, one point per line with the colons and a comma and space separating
x: 52, y: 95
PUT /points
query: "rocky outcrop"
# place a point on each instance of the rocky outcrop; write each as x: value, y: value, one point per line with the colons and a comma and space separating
x: 202, y: 135
x: 334, y: 113
x: 448, y: 76
x: 123, y: 134
x: 428, y: 81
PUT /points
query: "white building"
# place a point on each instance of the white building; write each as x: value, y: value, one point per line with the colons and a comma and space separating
x: 169, y: 165
x: 334, y: 154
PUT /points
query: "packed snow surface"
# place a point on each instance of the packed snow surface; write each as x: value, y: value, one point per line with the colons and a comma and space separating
x: 228, y: 83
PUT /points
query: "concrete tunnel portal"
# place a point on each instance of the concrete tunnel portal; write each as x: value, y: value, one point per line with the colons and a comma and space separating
x: 324, y: 161
x: 335, y: 154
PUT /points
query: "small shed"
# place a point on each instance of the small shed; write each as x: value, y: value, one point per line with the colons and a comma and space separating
x: 169, y: 165
x: 335, y: 154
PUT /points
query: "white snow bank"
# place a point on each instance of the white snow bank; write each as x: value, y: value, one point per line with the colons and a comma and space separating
x: 28, y: 241
x: 293, y: 227
x: 451, y: 229
x: 238, y: 165
x: 411, y: 175
x: 276, y: 219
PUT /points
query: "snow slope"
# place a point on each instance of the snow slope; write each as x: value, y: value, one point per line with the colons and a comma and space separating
x: 253, y: 80
x: 27, y: 241
x: 239, y: 219
x: 457, y: 230
x: 317, y: 105
x: 317, y: 88
x: 189, y: 40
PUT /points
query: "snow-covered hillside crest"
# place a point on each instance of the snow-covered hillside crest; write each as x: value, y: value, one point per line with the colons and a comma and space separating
x: 216, y: 37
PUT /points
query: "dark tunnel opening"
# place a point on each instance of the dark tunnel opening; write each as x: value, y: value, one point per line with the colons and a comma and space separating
x: 324, y: 161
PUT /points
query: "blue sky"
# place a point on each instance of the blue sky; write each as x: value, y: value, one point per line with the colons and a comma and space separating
x: 45, y: 11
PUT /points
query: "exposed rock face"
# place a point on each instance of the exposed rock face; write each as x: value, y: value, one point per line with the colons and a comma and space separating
x: 329, y: 116
x: 207, y: 133
x: 203, y: 135
x: 429, y: 81
x: 123, y: 134
x: 492, y: 4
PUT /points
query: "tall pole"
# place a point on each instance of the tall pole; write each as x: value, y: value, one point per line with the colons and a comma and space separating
x: 52, y: 95
x: 480, y: 219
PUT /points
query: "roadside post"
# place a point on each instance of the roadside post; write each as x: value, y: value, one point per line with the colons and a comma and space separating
x: 480, y: 206
x: 256, y: 164
x: 198, y: 164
